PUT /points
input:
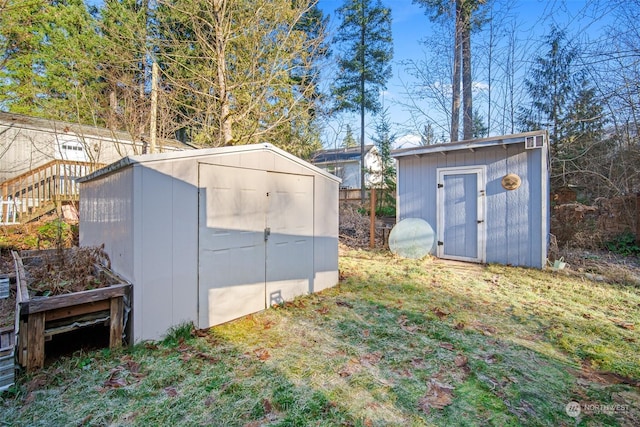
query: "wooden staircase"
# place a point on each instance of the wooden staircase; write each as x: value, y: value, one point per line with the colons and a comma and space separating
x: 41, y: 190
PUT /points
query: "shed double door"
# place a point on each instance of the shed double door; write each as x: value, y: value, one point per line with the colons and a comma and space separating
x: 461, y: 213
x: 255, y: 240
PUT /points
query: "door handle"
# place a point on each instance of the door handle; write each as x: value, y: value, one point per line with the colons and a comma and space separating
x: 267, y: 233
x: 480, y: 221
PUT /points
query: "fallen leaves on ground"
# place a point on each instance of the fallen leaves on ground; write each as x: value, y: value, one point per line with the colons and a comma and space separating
x: 171, y: 391
x: 344, y: 304
x: 352, y: 366
x: 262, y: 354
x: 405, y: 326
x: 371, y: 359
x: 438, y: 396
x: 123, y: 375
x: 441, y: 313
x: 446, y: 346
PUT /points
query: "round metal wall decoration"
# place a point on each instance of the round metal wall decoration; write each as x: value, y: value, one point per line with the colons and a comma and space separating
x: 511, y: 181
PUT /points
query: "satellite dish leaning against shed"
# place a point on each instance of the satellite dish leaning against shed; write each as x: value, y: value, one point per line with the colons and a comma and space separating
x: 412, y: 238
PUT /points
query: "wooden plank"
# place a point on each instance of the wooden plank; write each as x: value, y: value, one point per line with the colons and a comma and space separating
x: 115, y: 328
x: 6, y: 338
x: 35, y: 341
x: 76, y: 310
x: 75, y: 323
x: 22, y: 343
x: 22, y: 294
x: 76, y: 298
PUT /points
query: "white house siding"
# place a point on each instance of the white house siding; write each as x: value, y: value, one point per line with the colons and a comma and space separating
x: 28, y: 142
x: 516, y: 221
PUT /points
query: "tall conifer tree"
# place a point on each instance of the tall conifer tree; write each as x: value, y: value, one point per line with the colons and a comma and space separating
x: 366, y: 48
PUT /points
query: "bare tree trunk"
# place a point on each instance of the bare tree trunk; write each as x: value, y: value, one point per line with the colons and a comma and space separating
x: 467, y: 97
x: 225, y: 131
x: 362, y: 111
x: 455, y: 99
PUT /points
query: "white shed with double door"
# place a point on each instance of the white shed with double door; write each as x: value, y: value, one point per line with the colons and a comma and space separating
x: 208, y: 236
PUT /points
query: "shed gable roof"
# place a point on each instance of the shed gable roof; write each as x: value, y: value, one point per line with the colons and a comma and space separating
x: 204, y: 152
x: 471, y: 144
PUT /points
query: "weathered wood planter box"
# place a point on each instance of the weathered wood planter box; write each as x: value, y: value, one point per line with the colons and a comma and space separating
x: 40, y: 318
x: 7, y: 358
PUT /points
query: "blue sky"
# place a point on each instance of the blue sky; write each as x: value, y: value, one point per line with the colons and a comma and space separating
x: 411, y: 25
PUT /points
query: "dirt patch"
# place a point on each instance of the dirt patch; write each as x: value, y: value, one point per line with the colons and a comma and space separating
x: 587, y: 373
x: 601, y: 265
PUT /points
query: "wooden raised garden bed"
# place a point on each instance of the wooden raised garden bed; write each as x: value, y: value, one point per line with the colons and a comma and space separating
x: 44, y: 310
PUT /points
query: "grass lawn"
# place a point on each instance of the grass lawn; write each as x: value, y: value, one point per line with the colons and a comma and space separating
x: 396, y: 343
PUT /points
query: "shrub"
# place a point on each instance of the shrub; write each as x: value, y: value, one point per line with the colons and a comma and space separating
x: 624, y: 244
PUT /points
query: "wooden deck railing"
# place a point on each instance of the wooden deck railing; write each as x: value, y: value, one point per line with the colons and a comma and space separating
x: 52, y: 182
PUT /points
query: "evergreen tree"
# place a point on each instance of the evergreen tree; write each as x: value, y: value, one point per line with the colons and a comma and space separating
x: 480, y: 130
x: 549, y: 86
x: 386, y: 177
x: 48, y: 63
x: 564, y: 103
x: 349, y: 141
x: 366, y: 49
x: 428, y: 136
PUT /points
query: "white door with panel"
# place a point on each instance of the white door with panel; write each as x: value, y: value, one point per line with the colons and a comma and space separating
x: 255, y: 240
x: 461, y: 213
x: 290, y: 237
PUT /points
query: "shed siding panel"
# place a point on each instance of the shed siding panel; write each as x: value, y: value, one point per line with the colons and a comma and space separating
x: 517, y: 215
x: 157, y: 255
x: 185, y: 238
x: 325, y: 244
x: 168, y: 246
x: 537, y: 232
x: 106, y: 211
x: 497, y: 250
x: 428, y: 187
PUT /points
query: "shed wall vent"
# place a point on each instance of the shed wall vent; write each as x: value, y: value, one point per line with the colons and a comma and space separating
x: 531, y: 142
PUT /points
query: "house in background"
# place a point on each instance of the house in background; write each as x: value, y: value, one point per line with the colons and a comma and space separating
x: 345, y: 164
x: 485, y: 200
x: 41, y: 158
x: 27, y: 143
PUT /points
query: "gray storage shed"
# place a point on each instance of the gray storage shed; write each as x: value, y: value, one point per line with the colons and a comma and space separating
x: 207, y: 236
x: 487, y: 200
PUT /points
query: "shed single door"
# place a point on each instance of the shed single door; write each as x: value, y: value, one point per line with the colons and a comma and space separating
x: 231, y: 267
x: 255, y: 240
x: 290, y: 240
x: 461, y: 221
